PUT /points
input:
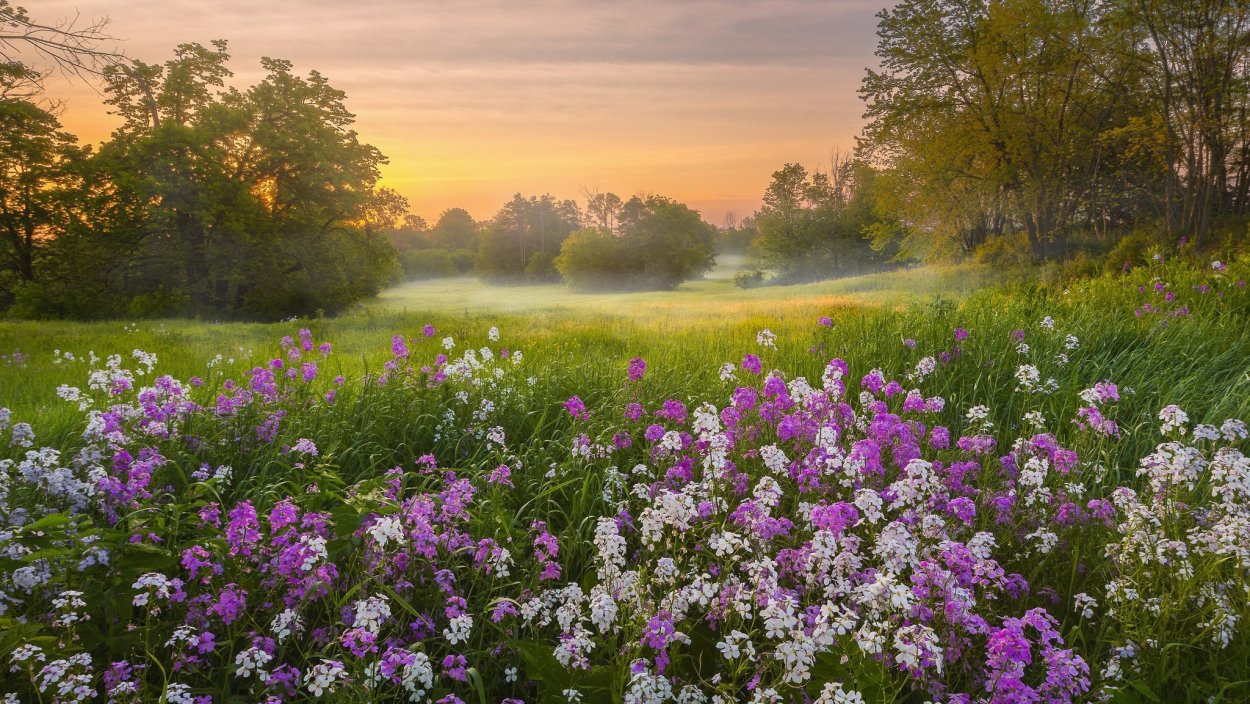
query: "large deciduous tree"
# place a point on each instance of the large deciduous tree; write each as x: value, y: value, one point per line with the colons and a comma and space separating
x: 991, y: 114
x: 258, y: 202
x: 814, y: 225
x: 523, y: 239
x: 38, y: 174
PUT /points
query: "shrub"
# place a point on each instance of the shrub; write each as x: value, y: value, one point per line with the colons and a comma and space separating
x: 749, y: 278
x: 659, y: 244
x: 428, y: 264
x: 1005, y: 250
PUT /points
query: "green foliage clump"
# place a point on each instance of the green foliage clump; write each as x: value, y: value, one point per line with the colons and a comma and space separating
x: 436, y: 263
x: 815, y: 226
x: 749, y: 278
x: 657, y: 244
x: 525, y: 236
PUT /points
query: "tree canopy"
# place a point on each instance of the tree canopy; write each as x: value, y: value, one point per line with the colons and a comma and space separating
x: 655, y: 242
x: 213, y: 200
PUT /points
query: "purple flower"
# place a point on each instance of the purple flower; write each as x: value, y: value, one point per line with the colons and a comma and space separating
x: 637, y: 367
x: 576, y: 408
x: 304, y: 445
x: 673, y: 410
x: 230, y: 603
x: 500, y: 475
x: 242, y: 532
x: 752, y: 364
x: 399, y: 346
x: 835, y: 517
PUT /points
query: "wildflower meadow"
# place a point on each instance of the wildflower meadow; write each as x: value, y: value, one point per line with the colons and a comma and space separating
x: 1012, y: 496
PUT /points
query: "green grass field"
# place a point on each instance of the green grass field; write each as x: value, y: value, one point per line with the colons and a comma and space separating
x: 550, y: 318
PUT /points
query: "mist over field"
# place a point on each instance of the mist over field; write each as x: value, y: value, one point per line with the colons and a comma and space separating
x: 663, y: 353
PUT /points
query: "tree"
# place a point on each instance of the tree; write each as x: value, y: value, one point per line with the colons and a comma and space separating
x: 1200, y: 53
x: 602, y: 208
x: 993, y: 113
x: 69, y: 46
x: 37, y: 176
x: 455, y: 229
x: 210, y: 199
x: 813, y: 225
x: 523, y: 239
x: 658, y: 245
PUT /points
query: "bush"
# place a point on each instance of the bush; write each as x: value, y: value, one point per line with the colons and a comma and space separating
x: 541, y: 267
x: 749, y: 278
x: 661, y: 244
x: 1005, y: 250
x: 157, y: 304
x: 463, y: 260
x: 428, y: 264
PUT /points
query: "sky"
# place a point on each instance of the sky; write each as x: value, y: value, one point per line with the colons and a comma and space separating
x: 474, y: 100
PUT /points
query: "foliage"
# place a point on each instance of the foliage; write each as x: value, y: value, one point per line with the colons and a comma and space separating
x: 815, y: 226
x: 38, y: 178
x: 436, y: 263
x: 256, y: 203
x: 657, y: 243
x: 1051, y: 118
x: 748, y: 278
x: 524, y: 237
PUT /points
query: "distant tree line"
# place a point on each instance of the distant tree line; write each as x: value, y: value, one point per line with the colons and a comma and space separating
x: 644, y: 242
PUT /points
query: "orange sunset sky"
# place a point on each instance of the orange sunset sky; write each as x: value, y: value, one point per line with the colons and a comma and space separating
x: 473, y: 101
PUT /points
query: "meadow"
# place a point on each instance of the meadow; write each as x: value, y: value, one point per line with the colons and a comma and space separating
x: 936, y: 484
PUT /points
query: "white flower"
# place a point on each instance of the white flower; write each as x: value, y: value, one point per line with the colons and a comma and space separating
x: 323, y: 677
x: 734, y: 644
x: 252, y: 660
x: 385, y: 530
x: 766, y: 338
x: 285, y: 623
x: 176, y: 693
x: 493, y: 334
x: 834, y: 694
x: 458, y: 629
x: 149, y: 581
x: 923, y: 368
x: 1173, y: 419
x: 371, y: 612
x: 1085, y: 605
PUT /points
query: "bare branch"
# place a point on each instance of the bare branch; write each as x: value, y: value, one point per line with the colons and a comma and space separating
x: 69, y: 45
